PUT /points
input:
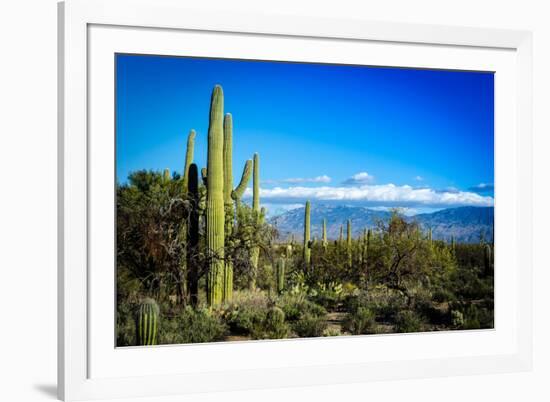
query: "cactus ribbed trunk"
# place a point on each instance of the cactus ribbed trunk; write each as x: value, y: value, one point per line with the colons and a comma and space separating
x: 189, y: 154
x: 348, y: 245
x: 192, y: 246
x: 255, y: 251
x: 147, y: 319
x: 228, y: 201
x: 280, y: 272
x: 307, y: 224
x: 325, y: 238
x: 215, y: 214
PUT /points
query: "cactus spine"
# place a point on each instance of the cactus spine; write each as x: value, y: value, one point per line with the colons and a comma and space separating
x: 348, y: 244
x: 147, y: 319
x: 280, y: 272
x: 215, y: 214
x: 307, y: 245
x: 255, y: 252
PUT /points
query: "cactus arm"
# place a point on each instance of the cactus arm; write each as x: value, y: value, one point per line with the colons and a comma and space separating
x: 245, y: 178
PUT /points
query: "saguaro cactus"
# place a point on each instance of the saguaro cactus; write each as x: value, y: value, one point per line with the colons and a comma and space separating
x: 325, y: 239
x: 341, y: 237
x: 166, y: 175
x: 192, y: 245
x: 215, y: 214
x: 430, y: 237
x: 189, y: 154
x: 307, y: 224
x: 255, y: 252
x: 231, y: 197
x: 348, y: 244
x: 147, y: 319
x: 280, y: 272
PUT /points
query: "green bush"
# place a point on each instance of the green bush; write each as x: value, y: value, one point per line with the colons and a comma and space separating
x: 272, y: 327
x: 360, y: 322
x: 296, y: 306
x: 246, y: 313
x: 192, y: 326
x: 407, y: 321
x: 310, y: 326
x: 125, y: 328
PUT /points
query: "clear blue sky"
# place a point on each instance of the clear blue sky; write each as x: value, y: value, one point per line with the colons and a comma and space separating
x: 427, y: 129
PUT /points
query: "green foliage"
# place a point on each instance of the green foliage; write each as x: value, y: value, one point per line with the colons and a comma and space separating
x: 309, y: 326
x: 273, y: 326
x: 361, y: 321
x: 193, y: 326
x: 408, y: 321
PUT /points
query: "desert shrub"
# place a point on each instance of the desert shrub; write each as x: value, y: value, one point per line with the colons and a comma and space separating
x: 192, y: 326
x: 310, y: 326
x: 247, y: 312
x: 478, y: 315
x: 360, y: 322
x: 407, y: 321
x: 457, y: 319
x: 329, y: 296
x: 125, y: 328
x: 297, y: 305
x: 272, y: 327
x: 332, y: 331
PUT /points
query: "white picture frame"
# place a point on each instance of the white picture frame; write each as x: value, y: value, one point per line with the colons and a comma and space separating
x: 90, y: 368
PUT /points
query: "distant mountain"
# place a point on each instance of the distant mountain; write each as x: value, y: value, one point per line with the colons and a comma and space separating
x: 466, y: 224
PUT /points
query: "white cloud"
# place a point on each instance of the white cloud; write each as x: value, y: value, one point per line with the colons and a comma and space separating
x: 385, y: 195
x: 359, y: 178
x: 296, y: 180
x: 482, y: 188
x: 419, y: 178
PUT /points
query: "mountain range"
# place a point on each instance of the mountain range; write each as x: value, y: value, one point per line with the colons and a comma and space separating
x: 465, y: 224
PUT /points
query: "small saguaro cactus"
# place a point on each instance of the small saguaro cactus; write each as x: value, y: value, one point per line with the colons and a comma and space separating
x: 307, y: 228
x: 430, y: 237
x: 215, y: 213
x: 147, y: 321
x: 166, y: 175
x: 280, y: 272
x: 325, y: 239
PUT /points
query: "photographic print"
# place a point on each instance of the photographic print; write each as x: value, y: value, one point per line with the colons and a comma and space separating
x: 275, y: 200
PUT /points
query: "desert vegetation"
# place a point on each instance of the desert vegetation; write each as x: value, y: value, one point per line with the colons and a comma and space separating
x: 195, y: 263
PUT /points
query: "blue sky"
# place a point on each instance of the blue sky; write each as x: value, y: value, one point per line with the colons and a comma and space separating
x: 379, y: 137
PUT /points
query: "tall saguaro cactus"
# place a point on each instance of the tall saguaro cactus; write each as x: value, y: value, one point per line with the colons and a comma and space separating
x: 341, y: 237
x: 280, y: 275
x: 215, y: 214
x: 231, y: 197
x: 192, y: 245
x: 307, y: 229
x: 348, y: 244
x: 255, y: 252
x: 228, y: 201
x: 189, y: 155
